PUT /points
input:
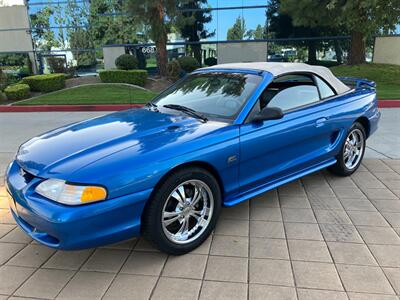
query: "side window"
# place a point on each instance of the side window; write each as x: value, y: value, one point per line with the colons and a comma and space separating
x: 290, y: 91
x: 324, y: 89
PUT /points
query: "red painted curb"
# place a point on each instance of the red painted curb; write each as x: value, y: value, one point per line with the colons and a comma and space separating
x: 44, y: 108
x: 115, y: 107
x: 388, y: 103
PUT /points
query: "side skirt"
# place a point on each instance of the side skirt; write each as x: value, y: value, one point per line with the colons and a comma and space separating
x: 271, y: 185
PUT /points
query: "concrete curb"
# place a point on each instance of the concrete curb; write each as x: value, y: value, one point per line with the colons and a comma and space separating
x: 115, y: 107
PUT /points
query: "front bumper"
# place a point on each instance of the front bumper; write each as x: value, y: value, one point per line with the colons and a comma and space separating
x: 72, y: 227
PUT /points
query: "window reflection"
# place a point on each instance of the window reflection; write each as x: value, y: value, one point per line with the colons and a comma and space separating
x: 216, y: 94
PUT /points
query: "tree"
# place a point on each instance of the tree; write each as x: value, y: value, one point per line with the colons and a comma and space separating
x: 362, y: 18
x: 258, y: 33
x: 238, y: 30
x: 79, y: 36
x: 109, y: 23
x: 158, y: 15
x: 42, y: 35
x: 190, y: 23
x: 281, y: 26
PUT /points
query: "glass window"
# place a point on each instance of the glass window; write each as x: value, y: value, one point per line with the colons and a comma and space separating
x: 324, y: 88
x: 289, y: 92
x: 221, y: 95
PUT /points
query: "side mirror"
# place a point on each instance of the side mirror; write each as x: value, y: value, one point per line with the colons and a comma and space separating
x: 268, y: 113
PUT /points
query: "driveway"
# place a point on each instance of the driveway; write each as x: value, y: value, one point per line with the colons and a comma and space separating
x: 321, y: 237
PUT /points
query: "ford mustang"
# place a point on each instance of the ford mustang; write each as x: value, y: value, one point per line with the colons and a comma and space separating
x: 217, y: 137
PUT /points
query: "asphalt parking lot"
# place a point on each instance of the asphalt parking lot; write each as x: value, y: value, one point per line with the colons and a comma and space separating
x: 321, y: 237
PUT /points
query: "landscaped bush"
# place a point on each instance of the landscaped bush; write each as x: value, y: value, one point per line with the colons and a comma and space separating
x: 174, y: 70
x: 188, y: 63
x: 137, y: 77
x: 2, y: 97
x: 3, y: 80
x: 45, y: 83
x: 210, y: 61
x: 126, y: 62
x: 17, y: 92
x: 56, y: 64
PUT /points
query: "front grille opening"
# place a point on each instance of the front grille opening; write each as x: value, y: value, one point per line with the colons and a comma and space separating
x: 28, y: 177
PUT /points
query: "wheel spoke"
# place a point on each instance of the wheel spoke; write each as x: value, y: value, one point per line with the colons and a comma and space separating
x: 172, y: 220
x: 179, y: 194
x: 170, y: 214
x: 183, y: 232
x: 197, y: 196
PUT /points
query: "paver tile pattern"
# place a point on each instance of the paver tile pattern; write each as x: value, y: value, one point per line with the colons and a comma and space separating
x: 320, y: 237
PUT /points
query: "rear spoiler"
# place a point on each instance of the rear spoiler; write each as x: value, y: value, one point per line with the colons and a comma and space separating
x: 358, y: 83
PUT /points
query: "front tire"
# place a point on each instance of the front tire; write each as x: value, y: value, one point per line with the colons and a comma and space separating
x: 183, y: 211
x: 351, y: 153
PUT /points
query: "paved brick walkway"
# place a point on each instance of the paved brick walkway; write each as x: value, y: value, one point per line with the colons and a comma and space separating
x: 322, y: 237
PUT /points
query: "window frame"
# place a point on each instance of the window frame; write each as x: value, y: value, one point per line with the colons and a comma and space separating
x: 309, y: 74
x: 327, y: 83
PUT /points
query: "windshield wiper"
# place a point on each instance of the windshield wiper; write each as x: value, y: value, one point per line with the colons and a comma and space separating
x: 152, y: 105
x: 186, y: 110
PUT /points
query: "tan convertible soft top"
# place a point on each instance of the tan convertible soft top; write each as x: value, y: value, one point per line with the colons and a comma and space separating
x: 278, y: 68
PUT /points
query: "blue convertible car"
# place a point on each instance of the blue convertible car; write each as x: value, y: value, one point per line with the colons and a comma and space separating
x: 219, y: 136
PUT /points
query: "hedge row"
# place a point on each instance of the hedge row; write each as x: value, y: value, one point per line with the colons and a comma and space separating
x: 137, y: 77
x: 45, y: 83
x: 17, y: 92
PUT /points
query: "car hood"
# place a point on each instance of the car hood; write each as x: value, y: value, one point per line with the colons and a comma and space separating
x: 67, y: 149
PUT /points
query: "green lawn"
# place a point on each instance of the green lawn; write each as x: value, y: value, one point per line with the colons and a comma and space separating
x: 387, y: 77
x: 94, y: 94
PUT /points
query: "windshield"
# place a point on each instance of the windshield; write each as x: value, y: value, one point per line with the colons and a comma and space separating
x: 221, y: 95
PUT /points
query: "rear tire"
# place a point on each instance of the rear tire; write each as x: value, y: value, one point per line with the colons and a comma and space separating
x: 351, y: 153
x: 183, y: 211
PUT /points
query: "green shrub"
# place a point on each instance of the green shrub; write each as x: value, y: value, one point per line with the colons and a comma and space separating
x: 3, y: 80
x: 17, y: 92
x: 188, y: 63
x: 137, y: 77
x: 56, y: 64
x: 174, y: 70
x: 210, y: 61
x: 45, y: 83
x: 2, y: 97
x: 126, y: 62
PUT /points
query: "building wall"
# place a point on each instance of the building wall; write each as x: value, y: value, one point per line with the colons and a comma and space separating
x: 14, y: 17
x: 110, y: 55
x: 387, y: 50
x: 241, y: 52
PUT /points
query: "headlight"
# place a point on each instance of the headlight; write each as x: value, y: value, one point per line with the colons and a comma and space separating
x: 70, y: 194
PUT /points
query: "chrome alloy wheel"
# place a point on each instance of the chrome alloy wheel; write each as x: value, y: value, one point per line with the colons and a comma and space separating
x: 353, y: 149
x: 187, y: 212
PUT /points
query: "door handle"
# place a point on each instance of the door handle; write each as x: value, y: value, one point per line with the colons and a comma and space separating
x: 321, y: 122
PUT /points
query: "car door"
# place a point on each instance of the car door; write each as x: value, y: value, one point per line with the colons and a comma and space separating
x: 274, y: 149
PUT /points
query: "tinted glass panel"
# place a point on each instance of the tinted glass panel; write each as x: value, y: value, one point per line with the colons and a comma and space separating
x: 214, y: 94
x: 288, y: 92
x: 324, y: 89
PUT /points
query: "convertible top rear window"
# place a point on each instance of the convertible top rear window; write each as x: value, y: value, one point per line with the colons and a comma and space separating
x: 216, y: 94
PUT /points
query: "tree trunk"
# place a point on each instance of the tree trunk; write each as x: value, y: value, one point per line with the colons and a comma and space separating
x: 312, y: 52
x: 197, y: 53
x: 357, y: 51
x: 161, y: 40
x: 338, y: 51
x: 162, y: 56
